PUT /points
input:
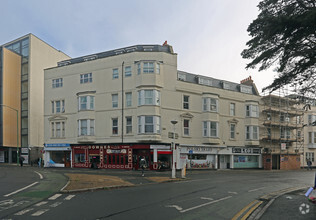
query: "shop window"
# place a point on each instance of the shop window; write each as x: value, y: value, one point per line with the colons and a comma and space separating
x: 80, y: 158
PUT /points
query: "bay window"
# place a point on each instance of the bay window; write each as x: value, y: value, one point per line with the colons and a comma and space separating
x: 148, y: 124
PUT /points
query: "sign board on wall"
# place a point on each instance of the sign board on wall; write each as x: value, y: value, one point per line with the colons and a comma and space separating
x: 283, y: 146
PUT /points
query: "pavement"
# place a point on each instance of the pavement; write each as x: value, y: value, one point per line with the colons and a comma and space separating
x: 289, y: 203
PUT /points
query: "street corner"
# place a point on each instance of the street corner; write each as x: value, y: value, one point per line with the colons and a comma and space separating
x: 84, y: 182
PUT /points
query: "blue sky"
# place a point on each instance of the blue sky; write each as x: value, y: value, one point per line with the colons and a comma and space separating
x: 207, y: 35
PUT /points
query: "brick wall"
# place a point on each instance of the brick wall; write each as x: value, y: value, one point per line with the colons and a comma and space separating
x: 267, y: 161
x: 290, y: 162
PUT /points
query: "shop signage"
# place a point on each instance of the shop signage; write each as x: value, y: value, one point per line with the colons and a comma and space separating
x: 199, y: 149
x: 116, y: 151
x: 160, y: 147
x: 239, y: 150
x: 24, y: 150
x: 283, y: 146
x: 57, y: 145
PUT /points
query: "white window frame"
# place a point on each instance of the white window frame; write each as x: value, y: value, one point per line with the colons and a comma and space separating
x: 310, y: 156
x: 232, y: 109
x: 57, y: 83
x: 139, y: 68
x: 115, y: 100
x: 115, y: 73
x: 246, y: 89
x: 252, y: 132
x: 57, y: 129
x: 148, y: 67
x: 129, y: 125
x: 143, y: 124
x: 233, y: 131
x: 128, y: 71
x: 210, y: 104
x: 89, y: 103
x: 89, y: 128
x: 85, y: 78
x: 158, y: 68
x: 144, y: 97
x: 56, y: 109
x: 115, y: 126
x: 210, y: 129
x: 186, y: 127
x: 252, y: 111
x: 186, y: 103
x: 128, y: 99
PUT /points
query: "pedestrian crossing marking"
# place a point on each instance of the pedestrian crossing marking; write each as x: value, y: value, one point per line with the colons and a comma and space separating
x: 40, y: 212
x: 54, y: 205
x: 23, y: 211
x: 55, y: 196
x: 69, y: 197
x: 41, y: 203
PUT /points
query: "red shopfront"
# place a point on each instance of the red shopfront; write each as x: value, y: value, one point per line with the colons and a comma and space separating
x: 107, y: 157
x: 119, y: 156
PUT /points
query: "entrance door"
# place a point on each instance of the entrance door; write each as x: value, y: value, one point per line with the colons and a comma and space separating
x: 223, y: 161
x: 138, y: 156
x: 276, y: 162
x: 67, y: 158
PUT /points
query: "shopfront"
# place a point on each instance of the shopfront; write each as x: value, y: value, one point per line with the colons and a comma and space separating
x: 197, y: 157
x: 57, y: 155
x: 246, y: 157
x: 107, y: 156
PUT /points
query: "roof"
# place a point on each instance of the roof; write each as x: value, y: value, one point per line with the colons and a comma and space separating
x: 136, y: 48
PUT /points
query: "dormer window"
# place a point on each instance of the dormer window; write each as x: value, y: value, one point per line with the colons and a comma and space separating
x: 246, y: 89
x: 181, y: 76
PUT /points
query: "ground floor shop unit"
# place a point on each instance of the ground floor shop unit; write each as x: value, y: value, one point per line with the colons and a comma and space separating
x: 56, y: 155
x: 219, y: 157
x: 8, y: 154
x: 122, y: 156
x: 281, y: 161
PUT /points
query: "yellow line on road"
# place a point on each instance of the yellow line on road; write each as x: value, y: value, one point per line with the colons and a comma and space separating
x: 244, y: 209
x: 251, y: 210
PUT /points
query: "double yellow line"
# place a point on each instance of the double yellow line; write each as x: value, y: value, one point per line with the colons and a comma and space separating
x: 250, y: 207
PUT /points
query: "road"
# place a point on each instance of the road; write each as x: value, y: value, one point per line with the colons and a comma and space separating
x: 203, y: 195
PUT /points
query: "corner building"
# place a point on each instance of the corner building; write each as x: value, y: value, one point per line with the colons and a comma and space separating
x: 112, y: 108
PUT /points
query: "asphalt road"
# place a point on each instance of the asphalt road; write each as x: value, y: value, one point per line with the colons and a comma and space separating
x: 203, y: 195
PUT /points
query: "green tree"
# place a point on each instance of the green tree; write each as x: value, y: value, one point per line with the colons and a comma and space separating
x: 283, y: 36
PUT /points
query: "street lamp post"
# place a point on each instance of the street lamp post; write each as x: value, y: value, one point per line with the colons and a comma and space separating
x: 173, y: 172
x: 17, y: 130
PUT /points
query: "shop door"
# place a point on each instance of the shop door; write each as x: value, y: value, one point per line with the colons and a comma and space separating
x: 67, y: 159
x: 139, y: 156
x: 223, y: 162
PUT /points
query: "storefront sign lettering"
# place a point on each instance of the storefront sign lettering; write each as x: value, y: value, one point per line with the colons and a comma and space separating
x: 238, y: 150
x: 116, y: 151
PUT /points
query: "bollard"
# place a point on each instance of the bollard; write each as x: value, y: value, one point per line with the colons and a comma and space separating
x: 183, y: 172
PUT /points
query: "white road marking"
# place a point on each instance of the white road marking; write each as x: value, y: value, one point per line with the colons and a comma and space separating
x: 205, y: 204
x: 40, y: 212
x: 54, y: 196
x: 207, y: 198
x: 41, y: 203
x: 175, y: 206
x: 19, y: 190
x: 54, y: 205
x: 23, y: 211
x: 252, y: 190
x: 41, y: 176
x: 289, y: 197
x: 232, y: 192
x: 69, y: 197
